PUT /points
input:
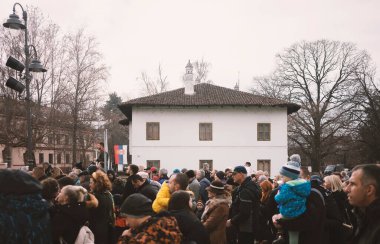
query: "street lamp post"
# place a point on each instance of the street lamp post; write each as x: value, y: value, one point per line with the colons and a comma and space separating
x: 14, y: 22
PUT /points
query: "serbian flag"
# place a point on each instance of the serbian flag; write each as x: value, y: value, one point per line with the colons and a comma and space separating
x: 120, y: 154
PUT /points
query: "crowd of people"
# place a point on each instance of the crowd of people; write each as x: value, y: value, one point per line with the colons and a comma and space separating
x: 236, y: 205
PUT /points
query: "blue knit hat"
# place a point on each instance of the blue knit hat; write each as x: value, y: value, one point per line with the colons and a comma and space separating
x: 291, y: 169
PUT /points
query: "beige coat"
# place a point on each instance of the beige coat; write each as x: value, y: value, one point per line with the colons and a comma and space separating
x: 215, y: 218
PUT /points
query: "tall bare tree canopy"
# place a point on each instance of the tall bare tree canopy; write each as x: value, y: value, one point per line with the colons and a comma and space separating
x: 319, y: 76
x: 85, y: 72
x: 65, y: 98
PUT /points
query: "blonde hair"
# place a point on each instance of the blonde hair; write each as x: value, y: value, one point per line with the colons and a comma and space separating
x: 335, y: 182
x: 55, y: 172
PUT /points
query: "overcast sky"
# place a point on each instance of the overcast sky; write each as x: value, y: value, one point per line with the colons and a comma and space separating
x: 234, y: 36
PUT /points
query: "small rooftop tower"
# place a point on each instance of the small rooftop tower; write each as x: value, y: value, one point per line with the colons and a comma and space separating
x: 188, y: 79
x: 236, y: 88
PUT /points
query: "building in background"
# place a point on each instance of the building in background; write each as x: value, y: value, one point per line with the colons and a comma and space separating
x: 51, y: 134
x: 205, y: 123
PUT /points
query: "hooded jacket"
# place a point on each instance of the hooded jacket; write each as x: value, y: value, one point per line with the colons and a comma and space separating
x: 292, y: 196
x: 162, y: 199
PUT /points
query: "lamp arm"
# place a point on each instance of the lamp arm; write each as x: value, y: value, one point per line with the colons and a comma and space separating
x: 23, y: 11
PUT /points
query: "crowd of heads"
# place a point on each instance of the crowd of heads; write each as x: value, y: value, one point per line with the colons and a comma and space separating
x: 140, y: 193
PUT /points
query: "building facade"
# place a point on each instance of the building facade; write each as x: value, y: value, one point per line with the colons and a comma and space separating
x: 204, y: 123
x: 52, y: 137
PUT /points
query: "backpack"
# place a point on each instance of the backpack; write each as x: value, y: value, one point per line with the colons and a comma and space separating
x: 85, y: 236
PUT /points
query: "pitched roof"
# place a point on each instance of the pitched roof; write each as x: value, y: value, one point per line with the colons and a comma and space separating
x: 206, y: 95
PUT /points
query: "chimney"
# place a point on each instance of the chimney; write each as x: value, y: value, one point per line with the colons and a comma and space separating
x: 188, y: 79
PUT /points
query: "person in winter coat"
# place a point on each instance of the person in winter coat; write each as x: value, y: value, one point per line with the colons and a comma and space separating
x: 266, y: 213
x: 69, y: 215
x: 144, y: 187
x: 363, y: 191
x: 337, y: 231
x: 245, y: 207
x: 215, y: 215
x: 132, y: 169
x: 162, y: 198
x: 102, y: 218
x: 145, y: 227
x: 24, y: 216
x: 50, y: 190
x: 191, y: 228
x: 292, y: 196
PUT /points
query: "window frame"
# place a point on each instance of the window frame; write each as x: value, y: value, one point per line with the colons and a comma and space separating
x: 152, y: 137
x: 153, y: 163
x: 263, y: 162
x: 205, y: 135
x: 264, y: 138
x: 209, y: 161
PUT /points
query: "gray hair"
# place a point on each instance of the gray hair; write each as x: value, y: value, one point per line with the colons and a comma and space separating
x: 202, y: 173
x: 163, y: 171
x: 75, y: 194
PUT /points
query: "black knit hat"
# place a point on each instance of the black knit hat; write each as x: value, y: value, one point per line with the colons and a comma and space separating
x: 136, y: 206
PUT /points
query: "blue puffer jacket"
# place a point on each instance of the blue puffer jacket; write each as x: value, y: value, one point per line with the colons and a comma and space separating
x: 292, y: 196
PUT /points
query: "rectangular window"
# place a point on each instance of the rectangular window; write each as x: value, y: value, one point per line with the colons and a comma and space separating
x: 153, y: 131
x: 209, y: 162
x: 59, y: 158
x: 50, y: 158
x: 41, y: 158
x: 264, y: 165
x: 66, y: 140
x: 153, y: 163
x: 67, y: 158
x: 263, y: 131
x: 205, y: 131
x: 58, y: 139
x: 50, y: 139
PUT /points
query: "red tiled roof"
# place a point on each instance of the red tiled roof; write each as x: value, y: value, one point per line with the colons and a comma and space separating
x: 206, y: 95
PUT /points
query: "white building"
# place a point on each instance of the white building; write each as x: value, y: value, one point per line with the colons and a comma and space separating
x: 201, y: 123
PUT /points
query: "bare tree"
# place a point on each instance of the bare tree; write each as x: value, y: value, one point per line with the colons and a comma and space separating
x: 84, y: 74
x: 201, y: 70
x: 367, y: 112
x: 319, y: 76
x: 155, y: 85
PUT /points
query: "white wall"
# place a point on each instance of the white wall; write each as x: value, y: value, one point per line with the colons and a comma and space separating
x: 234, y: 137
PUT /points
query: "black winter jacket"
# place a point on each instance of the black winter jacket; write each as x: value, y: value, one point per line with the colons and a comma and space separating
x: 191, y: 227
x: 148, y: 190
x: 245, y: 207
x: 311, y: 223
x: 67, y: 221
x: 368, y: 231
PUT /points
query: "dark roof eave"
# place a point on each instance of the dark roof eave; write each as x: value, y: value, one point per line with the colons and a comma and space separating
x: 126, y: 108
